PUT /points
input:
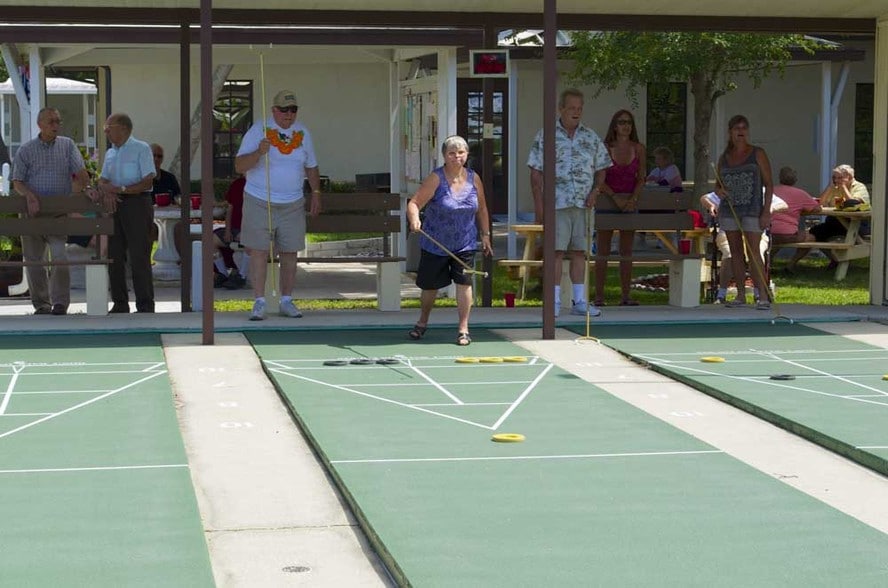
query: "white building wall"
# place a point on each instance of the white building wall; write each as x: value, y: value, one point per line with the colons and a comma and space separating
x: 345, y: 106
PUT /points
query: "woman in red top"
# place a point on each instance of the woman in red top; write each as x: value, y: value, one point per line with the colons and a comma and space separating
x: 625, y: 177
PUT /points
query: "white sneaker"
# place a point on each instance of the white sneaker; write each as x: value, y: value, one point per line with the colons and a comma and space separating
x: 289, y: 309
x: 258, y: 312
x: 581, y: 307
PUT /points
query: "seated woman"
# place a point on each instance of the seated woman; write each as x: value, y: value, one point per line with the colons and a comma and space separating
x: 666, y: 173
x: 785, y: 224
x: 842, y: 191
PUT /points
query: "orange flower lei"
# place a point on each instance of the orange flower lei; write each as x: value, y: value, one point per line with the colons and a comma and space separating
x: 284, y: 144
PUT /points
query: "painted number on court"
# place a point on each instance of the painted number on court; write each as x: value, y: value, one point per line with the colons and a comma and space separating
x: 236, y: 425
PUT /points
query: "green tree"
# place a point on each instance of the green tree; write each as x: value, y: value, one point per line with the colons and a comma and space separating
x: 710, y: 62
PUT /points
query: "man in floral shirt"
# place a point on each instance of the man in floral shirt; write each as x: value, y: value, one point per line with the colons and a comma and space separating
x: 580, y: 160
x: 277, y: 156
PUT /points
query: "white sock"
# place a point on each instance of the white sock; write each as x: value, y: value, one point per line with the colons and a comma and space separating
x: 220, y: 265
x: 260, y: 299
x: 557, y: 294
x: 579, y: 293
x: 286, y: 299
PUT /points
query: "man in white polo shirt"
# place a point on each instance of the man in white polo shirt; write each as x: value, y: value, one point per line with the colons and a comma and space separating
x: 287, y: 146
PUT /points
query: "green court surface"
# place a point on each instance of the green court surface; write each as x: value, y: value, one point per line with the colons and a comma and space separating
x: 599, y: 493
x: 95, y: 488
x: 836, y: 397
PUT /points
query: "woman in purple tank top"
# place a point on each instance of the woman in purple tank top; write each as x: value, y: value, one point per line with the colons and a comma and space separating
x: 625, y: 179
x: 455, y: 214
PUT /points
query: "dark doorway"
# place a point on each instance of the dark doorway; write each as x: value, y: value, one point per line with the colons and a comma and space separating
x: 470, y: 125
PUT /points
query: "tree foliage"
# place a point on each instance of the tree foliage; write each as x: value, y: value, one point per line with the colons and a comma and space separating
x: 711, y: 62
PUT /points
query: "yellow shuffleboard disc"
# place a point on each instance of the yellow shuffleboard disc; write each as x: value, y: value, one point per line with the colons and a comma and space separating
x: 885, y: 377
x: 712, y: 359
x: 467, y: 360
x: 507, y: 438
x: 490, y: 359
x: 515, y: 359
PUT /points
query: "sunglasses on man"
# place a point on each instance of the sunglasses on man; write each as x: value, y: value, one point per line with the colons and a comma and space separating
x: 292, y: 109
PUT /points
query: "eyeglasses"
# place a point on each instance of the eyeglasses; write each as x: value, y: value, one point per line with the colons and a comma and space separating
x: 54, y: 121
x: 292, y: 109
x: 624, y: 121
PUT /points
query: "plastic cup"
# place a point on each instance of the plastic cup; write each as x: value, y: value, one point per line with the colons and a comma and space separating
x: 195, y: 201
x: 509, y: 298
x: 163, y: 199
x: 684, y: 246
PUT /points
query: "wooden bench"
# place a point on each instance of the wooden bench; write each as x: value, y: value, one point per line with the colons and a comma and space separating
x: 95, y: 222
x: 364, y: 212
x: 657, y: 211
x: 356, y: 212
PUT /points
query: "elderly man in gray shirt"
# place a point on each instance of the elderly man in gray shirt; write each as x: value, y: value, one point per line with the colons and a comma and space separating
x: 44, y: 168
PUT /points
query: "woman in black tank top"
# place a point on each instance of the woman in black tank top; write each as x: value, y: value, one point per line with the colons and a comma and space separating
x: 745, y: 184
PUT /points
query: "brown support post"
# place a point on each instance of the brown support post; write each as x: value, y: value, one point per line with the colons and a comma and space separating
x: 206, y: 165
x: 550, y: 79
x: 185, y: 159
x: 490, y: 40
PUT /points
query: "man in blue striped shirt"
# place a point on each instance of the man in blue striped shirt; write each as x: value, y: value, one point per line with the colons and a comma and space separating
x: 44, y: 168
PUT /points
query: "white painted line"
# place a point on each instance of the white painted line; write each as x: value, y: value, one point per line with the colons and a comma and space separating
x: 523, y: 395
x: 395, y: 402
x: 424, y: 384
x: 155, y: 366
x: 4, y: 403
x: 528, y: 457
x: 463, y: 404
x: 20, y: 414
x: 776, y: 384
x: 822, y: 373
x: 102, y: 373
x: 871, y: 447
x: 24, y: 392
x: 441, y: 388
x: 96, y: 469
x: 81, y: 405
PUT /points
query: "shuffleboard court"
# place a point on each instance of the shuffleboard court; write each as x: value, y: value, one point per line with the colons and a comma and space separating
x: 827, y: 388
x: 96, y: 489
x: 598, y: 492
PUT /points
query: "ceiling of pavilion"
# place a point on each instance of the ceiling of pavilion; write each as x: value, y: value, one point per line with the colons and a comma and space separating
x: 849, y: 9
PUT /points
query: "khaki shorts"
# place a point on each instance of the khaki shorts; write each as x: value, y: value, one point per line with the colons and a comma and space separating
x: 287, y: 225
x: 721, y: 241
x: 570, y: 228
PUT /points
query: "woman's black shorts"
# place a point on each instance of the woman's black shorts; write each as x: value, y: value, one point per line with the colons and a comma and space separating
x: 437, y: 271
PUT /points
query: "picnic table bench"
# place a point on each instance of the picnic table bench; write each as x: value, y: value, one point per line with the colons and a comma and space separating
x: 89, y: 218
x: 665, y: 214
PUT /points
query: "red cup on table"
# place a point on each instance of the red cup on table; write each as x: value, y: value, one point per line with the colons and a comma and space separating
x: 684, y: 246
x: 509, y: 298
x: 163, y: 199
x: 195, y: 201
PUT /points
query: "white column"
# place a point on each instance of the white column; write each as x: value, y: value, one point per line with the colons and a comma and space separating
x: 38, y: 88
x: 824, y: 137
x: 12, y: 66
x: 515, y: 164
x: 396, y: 155
x: 446, y: 97
x: 880, y: 162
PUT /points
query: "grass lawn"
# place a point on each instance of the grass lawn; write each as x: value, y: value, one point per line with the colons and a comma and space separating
x: 811, y: 283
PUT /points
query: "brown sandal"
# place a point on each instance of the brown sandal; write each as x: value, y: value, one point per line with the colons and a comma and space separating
x: 417, y: 332
x: 463, y: 339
